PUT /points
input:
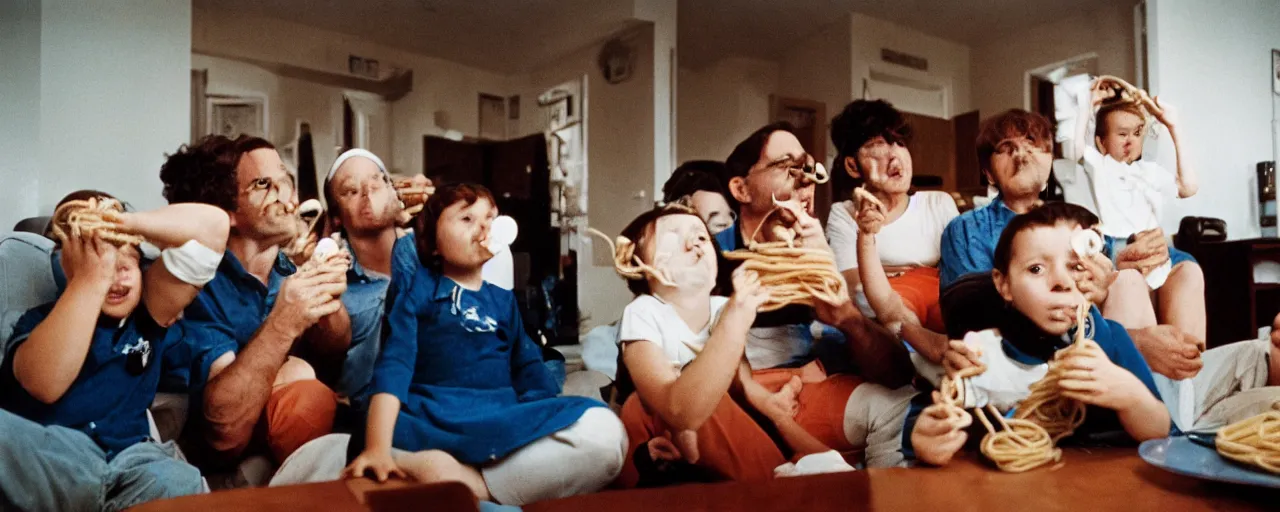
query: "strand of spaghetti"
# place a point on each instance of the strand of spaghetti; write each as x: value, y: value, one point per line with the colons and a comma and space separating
x: 623, y: 259
x: 89, y: 217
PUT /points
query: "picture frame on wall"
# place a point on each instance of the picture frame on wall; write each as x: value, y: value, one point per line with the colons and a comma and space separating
x: 1275, y: 72
x: 231, y: 116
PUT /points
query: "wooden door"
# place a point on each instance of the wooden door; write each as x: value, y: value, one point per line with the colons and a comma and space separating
x: 968, y: 177
x: 932, y: 148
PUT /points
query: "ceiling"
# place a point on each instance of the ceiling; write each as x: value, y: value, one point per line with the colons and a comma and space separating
x: 511, y: 36
x: 713, y: 29
x: 507, y: 36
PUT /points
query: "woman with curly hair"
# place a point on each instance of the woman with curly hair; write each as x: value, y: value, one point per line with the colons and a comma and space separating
x: 886, y: 237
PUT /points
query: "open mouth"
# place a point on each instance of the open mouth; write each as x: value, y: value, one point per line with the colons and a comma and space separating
x: 117, y: 295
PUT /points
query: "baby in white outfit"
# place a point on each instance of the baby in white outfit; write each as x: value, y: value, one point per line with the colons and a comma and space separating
x: 1129, y: 192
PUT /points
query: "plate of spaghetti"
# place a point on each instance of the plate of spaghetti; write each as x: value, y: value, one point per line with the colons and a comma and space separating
x: 1243, y: 453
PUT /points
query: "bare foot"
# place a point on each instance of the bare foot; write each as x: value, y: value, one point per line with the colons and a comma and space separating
x: 434, y: 466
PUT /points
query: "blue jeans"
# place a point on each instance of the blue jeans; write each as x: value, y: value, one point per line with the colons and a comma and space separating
x: 57, y: 468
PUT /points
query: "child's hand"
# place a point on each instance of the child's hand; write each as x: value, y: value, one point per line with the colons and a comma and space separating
x: 1092, y: 378
x: 748, y: 293
x: 91, y: 259
x: 1101, y: 92
x: 1094, y: 277
x: 783, y: 405
x: 959, y: 355
x: 1166, y: 114
x: 377, y: 461
x: 937, y: 437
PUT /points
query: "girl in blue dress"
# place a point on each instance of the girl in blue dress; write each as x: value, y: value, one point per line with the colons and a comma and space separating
x: 460, y: 392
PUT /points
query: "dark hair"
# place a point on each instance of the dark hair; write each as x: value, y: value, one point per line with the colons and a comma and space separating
x: 747, y: 153
x: 860, y: 122
x: 424, y: 225
x: 79, y: 195
x: 1100, y: 129
x: 695, y: 176
x: 1046, y: 215
x: 1007, y: 125
x: 206, y: 172
x: 640, y: 231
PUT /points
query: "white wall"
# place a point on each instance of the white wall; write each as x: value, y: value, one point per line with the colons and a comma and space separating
x: 721, y: 104
x: 620, y: 161
x: 114, y: 96
x: 948, y: 61
x: 662, y: 14
x: 19, y: 111
x: 998, y: 67
x: 288, y: 100
x: 439, y: 85
x: 1213, y: 61
x: 819, y: 68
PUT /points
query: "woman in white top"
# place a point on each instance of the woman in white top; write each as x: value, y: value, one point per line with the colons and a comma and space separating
x: 886, y: 238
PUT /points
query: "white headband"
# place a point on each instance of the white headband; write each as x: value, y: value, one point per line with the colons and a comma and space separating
x: 351, y: 153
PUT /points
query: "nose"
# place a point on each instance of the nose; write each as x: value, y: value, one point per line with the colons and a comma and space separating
x: 1062, y: 279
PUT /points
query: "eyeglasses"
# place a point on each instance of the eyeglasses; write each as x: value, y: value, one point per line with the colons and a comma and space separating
x: 265, y: 190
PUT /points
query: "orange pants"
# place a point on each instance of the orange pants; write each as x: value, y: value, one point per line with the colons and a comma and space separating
x: 731, y: 443
x: 822, y: 400
x: 918, y: 288
x: 297, y: 413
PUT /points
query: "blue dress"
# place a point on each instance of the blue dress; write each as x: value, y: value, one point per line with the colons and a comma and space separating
x: 470, y: 380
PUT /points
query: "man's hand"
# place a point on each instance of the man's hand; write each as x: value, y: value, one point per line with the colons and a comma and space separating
x: 810, y: 230
x: 1148, y: 251
x: 304, y: 298
x: 1169, y: 351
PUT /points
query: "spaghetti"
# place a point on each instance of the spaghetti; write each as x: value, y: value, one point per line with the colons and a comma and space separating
x: 1254, y: 440
x: 792, y: 274
x: 94, y: 216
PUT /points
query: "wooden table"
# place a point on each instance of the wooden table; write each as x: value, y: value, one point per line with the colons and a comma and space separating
x: 1112, y: 479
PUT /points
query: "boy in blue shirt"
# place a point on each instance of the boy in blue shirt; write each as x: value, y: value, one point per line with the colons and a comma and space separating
x: 1036, y: 273
x: 75, y: 386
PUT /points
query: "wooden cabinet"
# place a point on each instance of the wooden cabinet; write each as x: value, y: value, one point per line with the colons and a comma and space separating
x: 1236, y: 306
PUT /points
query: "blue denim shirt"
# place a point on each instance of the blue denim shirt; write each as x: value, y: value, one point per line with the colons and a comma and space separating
x: 969, y: 241
x: 237, y: 300
x: 365, y: 300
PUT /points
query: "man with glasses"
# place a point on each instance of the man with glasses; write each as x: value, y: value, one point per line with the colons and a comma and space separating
x: 259, y: 386
x: 839, y: 410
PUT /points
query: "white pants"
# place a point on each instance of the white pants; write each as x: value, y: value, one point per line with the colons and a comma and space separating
x: 1230, y: 387
x: 873, y: 418
x: 582, y: 458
